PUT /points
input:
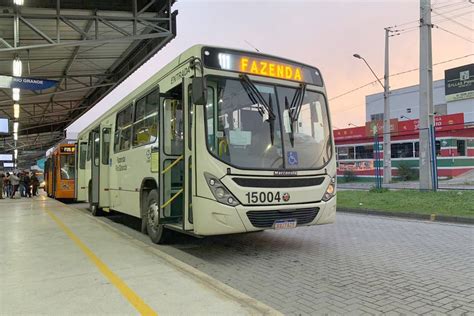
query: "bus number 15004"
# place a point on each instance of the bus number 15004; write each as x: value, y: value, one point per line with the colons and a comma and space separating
x: 263, y: 197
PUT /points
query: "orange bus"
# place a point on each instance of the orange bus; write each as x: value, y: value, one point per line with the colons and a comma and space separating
x: 59, y: 172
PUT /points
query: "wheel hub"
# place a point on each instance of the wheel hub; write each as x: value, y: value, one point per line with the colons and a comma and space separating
x: 153, y: 215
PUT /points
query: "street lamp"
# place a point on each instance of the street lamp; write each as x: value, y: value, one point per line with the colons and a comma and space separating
x: 365, y: 61
x: 387, y: 163
x: 350, y: 124
x: 403, y: 116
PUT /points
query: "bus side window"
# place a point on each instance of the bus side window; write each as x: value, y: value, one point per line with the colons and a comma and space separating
x: 123, y: 129
x: 105, y: 145
x: 89, y: 147
x: 82, y: 155
x: 145, y: 128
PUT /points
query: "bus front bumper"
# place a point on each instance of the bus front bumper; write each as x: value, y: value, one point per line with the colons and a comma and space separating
x: 214, y: 218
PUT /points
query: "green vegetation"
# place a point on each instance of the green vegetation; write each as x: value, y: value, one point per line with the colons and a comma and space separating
x: 348, y: 179
x: 349, y: 176
x: 407, y: 173
x: 449, y: 203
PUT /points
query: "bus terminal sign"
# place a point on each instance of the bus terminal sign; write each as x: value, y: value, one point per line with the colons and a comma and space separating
x: 10, y: 82
x: 459, y: 83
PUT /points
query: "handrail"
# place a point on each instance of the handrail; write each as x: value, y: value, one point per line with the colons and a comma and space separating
x: 172, y: 198
x: 172, y: 164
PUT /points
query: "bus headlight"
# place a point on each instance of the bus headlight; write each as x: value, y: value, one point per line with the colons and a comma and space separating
x: 330, y: 190
x: 219, y: 191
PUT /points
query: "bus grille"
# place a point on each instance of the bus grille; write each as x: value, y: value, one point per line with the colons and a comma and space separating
x: 278, y: 183
x: 265, y: 219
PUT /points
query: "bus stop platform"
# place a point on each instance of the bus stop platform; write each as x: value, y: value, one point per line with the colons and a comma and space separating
x: 55, y: 259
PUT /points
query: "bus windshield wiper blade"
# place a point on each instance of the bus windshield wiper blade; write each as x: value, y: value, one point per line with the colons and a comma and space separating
x: 257, y: 98
x: 294, y: 109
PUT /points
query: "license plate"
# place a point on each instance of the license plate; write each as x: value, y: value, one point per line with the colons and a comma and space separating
x: 284, y: 224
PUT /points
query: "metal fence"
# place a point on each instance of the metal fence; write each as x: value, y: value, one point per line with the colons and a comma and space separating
x: 360, y: 161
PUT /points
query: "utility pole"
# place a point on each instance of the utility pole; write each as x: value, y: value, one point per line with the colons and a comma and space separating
x: 387, y: 152
x: 426, y: 96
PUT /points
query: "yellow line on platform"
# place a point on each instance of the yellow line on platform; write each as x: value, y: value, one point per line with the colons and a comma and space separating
x: 127, y: 292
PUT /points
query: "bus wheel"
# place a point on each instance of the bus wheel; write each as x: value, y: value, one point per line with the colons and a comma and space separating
x: 157, y: 232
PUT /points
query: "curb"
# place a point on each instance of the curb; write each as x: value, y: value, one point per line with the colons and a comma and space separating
x: 254, y: 306
x: 426, y: 217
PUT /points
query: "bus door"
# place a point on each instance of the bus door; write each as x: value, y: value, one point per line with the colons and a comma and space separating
x: 104, y: 197
x: 188, y: 156
x: 171, y: 158
x: 81, y: 156
x: 54, y: 173
x: 95, y: 171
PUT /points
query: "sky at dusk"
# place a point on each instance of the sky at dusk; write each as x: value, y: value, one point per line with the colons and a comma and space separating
x: 321, y: 33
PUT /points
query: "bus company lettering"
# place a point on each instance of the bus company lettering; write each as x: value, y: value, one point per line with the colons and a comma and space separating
x: 181, y: 74
x: 285, y: 173
x: 121, y: 164
x: 270, y: 69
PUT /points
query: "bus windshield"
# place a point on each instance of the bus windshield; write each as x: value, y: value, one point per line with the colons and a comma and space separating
x: 67, y: 167
x: 240, y: 130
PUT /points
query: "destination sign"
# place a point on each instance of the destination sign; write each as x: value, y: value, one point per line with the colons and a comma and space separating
x: 260, y: 65
x: 26, y: 83
x: 68, y: 150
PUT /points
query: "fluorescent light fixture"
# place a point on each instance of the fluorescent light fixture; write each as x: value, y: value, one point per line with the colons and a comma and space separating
x: 16, y: 154
x: 16, y: 94
x: 18, y: 2
x: 17, y: 67
x: 8, y: 165
x: 15, y: 127
x: 16, y: 110
x: 15, y: 136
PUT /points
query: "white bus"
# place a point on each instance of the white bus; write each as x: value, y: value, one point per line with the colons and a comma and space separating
x: 219, y: 141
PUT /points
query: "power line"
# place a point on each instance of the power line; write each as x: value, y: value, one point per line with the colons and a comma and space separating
x: 398, y: 74
x: 455, y: 16
x: 454, y: 21
x: 452, y: 33
x: 403, y: 24
x: 403, y: 31
x: 449, y: 11
x: 451, y: 4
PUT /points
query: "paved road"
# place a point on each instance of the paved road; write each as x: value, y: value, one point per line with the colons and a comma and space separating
x: 360, y: 265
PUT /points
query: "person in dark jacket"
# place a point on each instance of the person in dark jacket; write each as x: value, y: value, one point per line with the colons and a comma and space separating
x: 2, y: 176
x: 35, y: 184
x: 27, y: 183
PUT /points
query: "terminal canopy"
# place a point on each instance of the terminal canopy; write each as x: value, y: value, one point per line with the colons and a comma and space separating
x: 88, y: 47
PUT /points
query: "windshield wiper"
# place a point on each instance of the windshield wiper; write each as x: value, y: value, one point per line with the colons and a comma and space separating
x: 257, y: 98
x: 294, y: 110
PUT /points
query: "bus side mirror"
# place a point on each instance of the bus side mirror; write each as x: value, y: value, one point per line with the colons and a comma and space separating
x: 199, y: 87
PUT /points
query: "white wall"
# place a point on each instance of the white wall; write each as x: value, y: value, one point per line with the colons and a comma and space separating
x: 465, y: 106
x: 402, y: 99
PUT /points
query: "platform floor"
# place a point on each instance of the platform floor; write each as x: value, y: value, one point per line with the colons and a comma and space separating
x: 57, y: 260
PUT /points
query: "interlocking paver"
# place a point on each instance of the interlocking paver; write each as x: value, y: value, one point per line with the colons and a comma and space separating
x: 361, y: 264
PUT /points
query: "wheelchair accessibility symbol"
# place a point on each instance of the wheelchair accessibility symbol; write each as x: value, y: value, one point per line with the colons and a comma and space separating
x: 292, y: 158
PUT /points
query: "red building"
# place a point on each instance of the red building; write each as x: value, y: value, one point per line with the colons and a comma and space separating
x: 454, y: 146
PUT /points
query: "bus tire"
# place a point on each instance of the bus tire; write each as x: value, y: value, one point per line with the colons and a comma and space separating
x: 144, y: 212
x: 157, y: 232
